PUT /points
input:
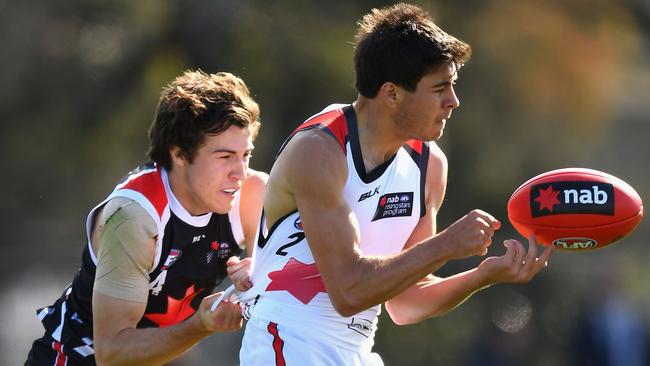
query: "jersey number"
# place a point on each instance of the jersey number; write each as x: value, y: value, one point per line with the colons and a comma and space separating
x: 297, y: 238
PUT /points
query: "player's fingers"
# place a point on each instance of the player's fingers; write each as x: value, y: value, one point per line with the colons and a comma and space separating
x: 511, y: 251
x: 531, y: 255
x: 237, y: 265
x: 491, y: 220
x: 521, y: 252
x: 228, y: 316
x: 485, y: 228
x: 542, y: 261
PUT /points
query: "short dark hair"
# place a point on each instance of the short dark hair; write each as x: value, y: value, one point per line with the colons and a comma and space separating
x: 401, y: 44
x: 196, y: 104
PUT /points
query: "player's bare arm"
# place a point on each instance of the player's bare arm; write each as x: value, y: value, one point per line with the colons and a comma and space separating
x: 312, y: 171
x: 250, y: 205
x: 250, y: 210
x: 434, y: 296
x: 116, y: 314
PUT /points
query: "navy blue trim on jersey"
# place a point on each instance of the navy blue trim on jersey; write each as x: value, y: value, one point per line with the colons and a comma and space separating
x: 261, y: 240
x: 422, y: 161
x: 355, y: 150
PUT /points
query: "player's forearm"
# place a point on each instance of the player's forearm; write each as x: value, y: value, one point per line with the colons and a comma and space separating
x: 150, y: 346
x: 374, y: 280
x: 434, y: 297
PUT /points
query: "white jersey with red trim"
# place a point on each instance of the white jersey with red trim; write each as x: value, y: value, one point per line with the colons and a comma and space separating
x: 387, y: 202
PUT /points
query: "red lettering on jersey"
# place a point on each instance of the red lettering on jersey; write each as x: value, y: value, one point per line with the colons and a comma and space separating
x: 177, y: 309
x: 302, y: 281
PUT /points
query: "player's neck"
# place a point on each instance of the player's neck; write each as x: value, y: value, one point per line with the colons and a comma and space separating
x: 183, y: 192
x: 378, y: 137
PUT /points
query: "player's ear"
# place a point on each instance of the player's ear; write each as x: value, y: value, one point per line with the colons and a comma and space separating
x: 177, y: 156
x: 390, y: 94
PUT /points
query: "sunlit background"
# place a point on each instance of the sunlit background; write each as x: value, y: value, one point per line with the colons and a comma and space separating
x: 552, y: 84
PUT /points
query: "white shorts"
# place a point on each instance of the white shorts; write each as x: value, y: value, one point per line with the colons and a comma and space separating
x: 267, y: 343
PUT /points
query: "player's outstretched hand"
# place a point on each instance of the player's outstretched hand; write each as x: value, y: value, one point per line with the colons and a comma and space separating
x: 517, y: 265
x: 239, y: 271
x: 470, y: 235
x: 226, y: 318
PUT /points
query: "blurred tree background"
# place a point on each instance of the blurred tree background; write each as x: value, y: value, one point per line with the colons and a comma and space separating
x: 551, y: 84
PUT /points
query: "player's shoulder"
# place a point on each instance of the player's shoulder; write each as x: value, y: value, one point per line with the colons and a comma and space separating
x: 436, y: 176
x: 253, y: 187
x: 255, y: 179
x: 311, y: 160
x: 118, y: 210
x: 436, y: 155
x: 313, y: 146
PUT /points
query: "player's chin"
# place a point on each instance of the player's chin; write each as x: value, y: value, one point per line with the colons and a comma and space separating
x: 433, y: 135
x: 222, y: 206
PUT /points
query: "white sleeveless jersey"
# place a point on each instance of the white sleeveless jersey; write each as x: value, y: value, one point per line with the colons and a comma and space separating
x: 388, y: 203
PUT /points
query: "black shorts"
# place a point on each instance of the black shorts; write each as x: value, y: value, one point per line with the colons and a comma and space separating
x: 48, y: 352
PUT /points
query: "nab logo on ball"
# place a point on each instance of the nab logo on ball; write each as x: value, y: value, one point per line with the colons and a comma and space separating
x: 572, y: 197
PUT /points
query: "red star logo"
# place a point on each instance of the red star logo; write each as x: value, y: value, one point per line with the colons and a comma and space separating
x: 177, y: 310
x: 547, y: 198
x: 214, y: 245
x: 302, y: 281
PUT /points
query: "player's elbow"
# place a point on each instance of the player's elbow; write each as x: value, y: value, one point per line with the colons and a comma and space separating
x: 400, y: 319
x: 402, y: 314
x: 348, y: 304
x: 102, y: 355
x: 346, y: 309
x: 105, y: 353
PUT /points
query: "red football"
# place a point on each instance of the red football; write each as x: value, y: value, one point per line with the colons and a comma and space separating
x: 575, y: 209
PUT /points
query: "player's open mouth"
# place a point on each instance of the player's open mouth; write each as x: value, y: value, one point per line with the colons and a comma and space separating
x: 230, y: 191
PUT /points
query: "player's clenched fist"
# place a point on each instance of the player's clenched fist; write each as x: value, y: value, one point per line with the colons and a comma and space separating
x: 470, y: 235
x: 239, y: 271
x: 226, y: 318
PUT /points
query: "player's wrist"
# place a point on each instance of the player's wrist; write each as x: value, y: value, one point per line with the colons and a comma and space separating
x: 443, y: 246
x: 200, y: 323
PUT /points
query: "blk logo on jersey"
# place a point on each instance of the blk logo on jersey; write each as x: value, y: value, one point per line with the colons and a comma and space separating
x: 394, y: 205
x: 369, y: 194
x: 572, y: 197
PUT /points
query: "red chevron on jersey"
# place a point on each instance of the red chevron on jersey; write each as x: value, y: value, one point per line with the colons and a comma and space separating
x: 150, y: 185
x: 303, y: 281
x: 332, y: 121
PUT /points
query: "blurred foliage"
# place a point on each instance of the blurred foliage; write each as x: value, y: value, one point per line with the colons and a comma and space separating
x: 551, y: 84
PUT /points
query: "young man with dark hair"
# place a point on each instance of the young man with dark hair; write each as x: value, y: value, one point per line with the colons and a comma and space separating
x: 166, y: 236
x: 350, y: 211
